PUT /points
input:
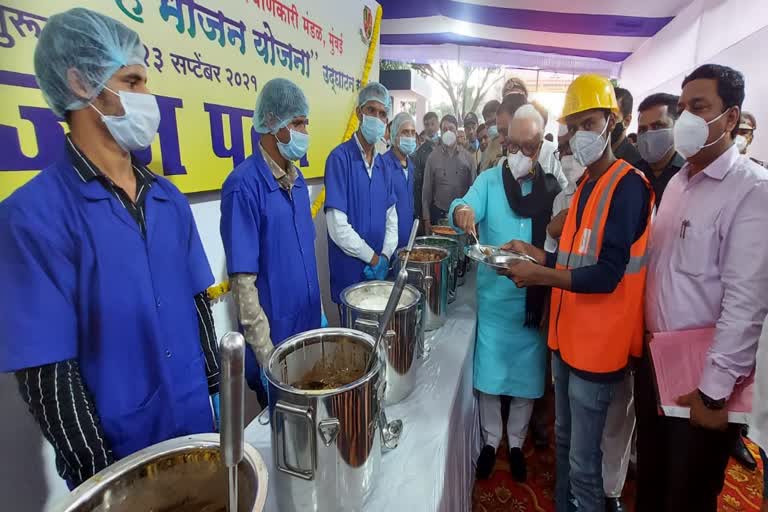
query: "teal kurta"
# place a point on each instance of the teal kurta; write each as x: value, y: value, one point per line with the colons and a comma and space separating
x: 510, y: 359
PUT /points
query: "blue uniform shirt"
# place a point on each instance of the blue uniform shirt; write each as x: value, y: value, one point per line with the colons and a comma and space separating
x: 82, y: 282
x: 365, y: 201
x: 269, y: 231
x: 403, y: 190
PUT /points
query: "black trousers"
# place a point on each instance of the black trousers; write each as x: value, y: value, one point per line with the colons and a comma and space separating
x: 680, y: 468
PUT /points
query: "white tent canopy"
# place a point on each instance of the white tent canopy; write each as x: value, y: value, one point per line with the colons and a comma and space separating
x: 558, y: 35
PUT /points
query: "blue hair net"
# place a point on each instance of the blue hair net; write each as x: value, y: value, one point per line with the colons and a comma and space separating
x: 374, y: 91
x: 398, y: 121
x: 279, y: 101
x: 94, y: 46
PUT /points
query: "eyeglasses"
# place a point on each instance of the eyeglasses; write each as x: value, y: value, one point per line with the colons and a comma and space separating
x: 528, y: 150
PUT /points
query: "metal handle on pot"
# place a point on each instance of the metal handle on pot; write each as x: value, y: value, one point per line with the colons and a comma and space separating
x: 372, y: 327
x: 283, y: 409
x: 390, y: 431
x: 417, y: 275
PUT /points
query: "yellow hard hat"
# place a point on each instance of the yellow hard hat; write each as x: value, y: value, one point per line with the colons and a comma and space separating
x: 587, y: 92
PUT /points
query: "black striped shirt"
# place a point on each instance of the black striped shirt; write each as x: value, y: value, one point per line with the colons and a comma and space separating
x: 55, y: 393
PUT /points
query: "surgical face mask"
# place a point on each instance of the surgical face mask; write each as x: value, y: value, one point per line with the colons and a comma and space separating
x: 617, y: 132
x: 571, y: 168
x: 587, y: 147
x: 373, y: 129
x: 449, y: 138
x: 295, y: 148
x: 520, y: 165
x: 435, y: 137
x: 741, y: 143
x: 654, y: 144
x: 475, y: 144
x: 407, y: 145
x: 493, y: 132
x: 691, y: 132
x: 136, y: 129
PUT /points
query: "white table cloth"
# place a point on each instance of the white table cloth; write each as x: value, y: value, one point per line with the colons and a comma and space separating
x: 432, y: 469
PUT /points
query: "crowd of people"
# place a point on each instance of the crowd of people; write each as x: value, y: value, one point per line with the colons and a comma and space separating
x: 106, y: 275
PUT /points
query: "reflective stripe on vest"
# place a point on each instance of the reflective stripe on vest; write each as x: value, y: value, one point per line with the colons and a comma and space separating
x: 571, y: 260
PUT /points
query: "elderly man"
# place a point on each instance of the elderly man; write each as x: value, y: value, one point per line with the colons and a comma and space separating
x: 707, y: 268
x: 267, y: 229
x: 510, y: 201
x: 360, y: 201
x: 448, y: 175
x: 106, y: 320
x: 546, y: 155
x: 398, y: 164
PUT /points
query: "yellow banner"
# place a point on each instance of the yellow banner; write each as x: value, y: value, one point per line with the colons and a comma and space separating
x: 207, y: 60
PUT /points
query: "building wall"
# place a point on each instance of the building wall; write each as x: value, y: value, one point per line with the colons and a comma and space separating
x: 728, y: 32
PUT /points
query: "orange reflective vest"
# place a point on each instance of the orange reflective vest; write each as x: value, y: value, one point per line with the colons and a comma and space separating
x: 597, y: 332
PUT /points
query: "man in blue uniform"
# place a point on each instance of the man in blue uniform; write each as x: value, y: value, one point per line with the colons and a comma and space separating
x: 267, y: 229
x: 106, y: 322
x: 360, y: 201
x: 399, y: 165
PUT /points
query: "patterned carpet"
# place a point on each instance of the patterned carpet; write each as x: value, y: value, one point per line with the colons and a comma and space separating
x: 500, y: 493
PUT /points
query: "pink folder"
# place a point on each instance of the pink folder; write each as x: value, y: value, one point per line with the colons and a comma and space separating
x: 678, y: 360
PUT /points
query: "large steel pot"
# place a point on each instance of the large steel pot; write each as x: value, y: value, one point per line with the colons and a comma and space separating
x: 452, y: 246
x: 428, y: 270
x: 363, y: 307
x: 185, y: 474
x: 461, y: 238
x: 327, y: 443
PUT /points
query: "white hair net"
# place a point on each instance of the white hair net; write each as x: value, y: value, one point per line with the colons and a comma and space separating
x: 374, y: 91
x: 398, y: 121
x: 90, y: 44
x: 279, y: 101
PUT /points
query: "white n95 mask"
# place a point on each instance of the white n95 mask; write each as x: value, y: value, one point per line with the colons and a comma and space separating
x: 449, y: 138
x: 136, y: 129
x: 571, y: 168
x: 741, y: 143
x: 519, y: 164
x: 587, y: 147
x: 691, y: 132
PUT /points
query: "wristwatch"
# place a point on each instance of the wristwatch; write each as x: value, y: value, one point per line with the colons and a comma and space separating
x: 711, y: 403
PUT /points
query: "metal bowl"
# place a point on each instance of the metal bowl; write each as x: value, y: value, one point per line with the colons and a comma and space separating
x: 185, y: 474
x: 503, y: 260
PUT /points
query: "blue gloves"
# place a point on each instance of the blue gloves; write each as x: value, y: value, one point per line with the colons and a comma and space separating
x: 379, y: 272
x: 381, y: 269
x: 323, y: 321
x: 215, y: 401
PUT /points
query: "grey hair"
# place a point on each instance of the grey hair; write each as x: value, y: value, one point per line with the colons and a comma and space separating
x: 529, y: 112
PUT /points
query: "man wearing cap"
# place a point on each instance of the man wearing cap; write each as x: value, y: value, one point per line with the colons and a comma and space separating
x: 267, y: 230
x: 597, y: 278
x: 360, y: 200
x: 398, y: 163
x: 107, y: 323
x: 746, y: 134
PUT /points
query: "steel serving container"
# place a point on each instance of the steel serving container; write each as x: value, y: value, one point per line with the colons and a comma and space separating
x: 186, y: 474
x: 362, y: 309
x: 456, y: 251
x: 327, y: 443
x: 430, y: 275
x: 461, y: 238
